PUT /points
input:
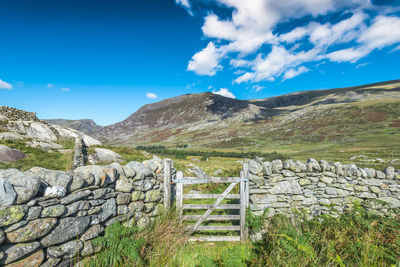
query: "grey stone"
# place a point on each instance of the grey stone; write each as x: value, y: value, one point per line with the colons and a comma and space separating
x: 390, y: 172
x: 380, y: 175
x: 152, y: 196
x: 55, y: 192
x: 53, y: 211
x: 263, y: 199
x: 109, y: 209
x: 100, y: 193
x: 301, y: 165
x: 286, y: 187
x: 375, y: 182
x: 26, y: 186
x: 267, y: 166
x: 53, y: 178
x: 7, y: 193
x: 324, y: 201
x: 15, y: 226
x: 143, y: 222
x: 136, y: 206
x: 74, y: 207
x: 91, y: 172
x: 393, y: 203
x: 75, y: 197
x: 51, y: 262
x: 314, y: 165
x: 67, y: 229
x: 366, y: 195
x: 310, y: 201
x: 8, y: 154
x: 256, y: 179
x: 124, y: 185
x: 2, y: 237
x: 287, y: 173
x: 277, y: 165
x: 326, y: 180
x: 93, y: 232
x: 141, y: 170
x: 67, y: 250
x: 77, y: 183
x: 255, y: 167
x: 331, y: 191
x: 123, y: 198
x: 49, y: 202
x: 11, y: 214
x: 32, y: 231
x: 103, y: 155
x: 97, y: 202
x: 18, y: 251
x: 304, y: 181
x: 33, y: 213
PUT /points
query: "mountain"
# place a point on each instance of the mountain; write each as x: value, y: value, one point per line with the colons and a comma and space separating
x: 87, y: 126
x: 212, y: 121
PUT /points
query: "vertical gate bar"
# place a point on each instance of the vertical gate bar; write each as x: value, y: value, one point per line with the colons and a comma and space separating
x: 242, y: 207
x: 167, y: 183
x: 179, y: 193
x: 246, y: 194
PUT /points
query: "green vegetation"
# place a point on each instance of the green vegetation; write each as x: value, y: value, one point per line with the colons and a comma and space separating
x: 37, y: 157
x: 356, y: 238
x: 162, y: 150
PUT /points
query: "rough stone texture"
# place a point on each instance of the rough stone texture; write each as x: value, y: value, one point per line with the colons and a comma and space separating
x: 64, y: 211
x: 31, y: 231
x: 281, y: 187
x: 26, y: 186
x: 16, y: 252
x: 7, y: 193
x: 67, y: 229
x: 8, y: 154
x: 12, y: 214
x: 103, y: 155
x: 34, y: 259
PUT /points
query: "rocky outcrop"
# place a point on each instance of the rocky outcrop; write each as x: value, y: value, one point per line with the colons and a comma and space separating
x: 8, y: 154
x: 103, y: 155
x: 49, y: 217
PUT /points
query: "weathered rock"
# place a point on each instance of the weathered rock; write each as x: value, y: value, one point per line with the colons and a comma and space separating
x: 267, y: 166
x: 124, y: 185
x: 277, y: 165
x: 34, y: 259
x: 389, y: 172
x: 91, y: 172
x: 51, y: 262
x: 93, y: 232
x: 314, y: 165
x: 304, y: 181
x: 7, y: 193
x: 77, y: 183
x: 256, y: 179
x: 53, y: 178
x: 10, y: 136
x: 393, y: 203
x: 67, y: 250
x: 8, y: 154
x: 123, y: 198
x: 67, y: 229
x: 89, y: 249
x: 137, y: 195
x: 53, y: 211
x: 26, y: 186
x: 33, y: 213
x: 136, y: 206
x: 141, y: 170
x: 103, y: 155
x: 55, y: 192
x: 18, y: 251
x: 152, y: 196
x: 286, y: 187
x: 11, y: 214
x: 2, y: 236
x: 32, y: 231
x: 326, y: 180
x: 255, y: 167
x: 74, y: 207
x: 109, y: 209
x: 75, y: 197
x: 15, y: 226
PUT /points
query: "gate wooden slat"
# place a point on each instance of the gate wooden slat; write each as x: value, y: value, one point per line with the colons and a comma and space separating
x: 213, y: 217
x: 206, y: 206
x: 215, y: 227
x: 213, y: 206
x: 207, y: 196
x: 215, y: 238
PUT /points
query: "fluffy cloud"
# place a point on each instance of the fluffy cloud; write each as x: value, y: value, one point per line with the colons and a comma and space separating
x: 184, y: 3
x: 258, y: 50
x: 4, y: 85
x: 206, y: 62
x: 224, y: 92
x: 65, y: 89
x: 151, y: 95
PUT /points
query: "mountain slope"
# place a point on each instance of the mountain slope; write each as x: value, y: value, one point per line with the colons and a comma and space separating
x: 214, y: 121
x: 87, y: 126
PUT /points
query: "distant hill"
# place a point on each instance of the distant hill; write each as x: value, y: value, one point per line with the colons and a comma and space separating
x: 87, y: 126
x: 214, y: 121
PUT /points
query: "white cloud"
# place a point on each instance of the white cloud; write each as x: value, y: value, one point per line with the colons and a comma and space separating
x: 65, y: 89
x: 50, y: 85
x: 224, y: 92
x: 291, y: 73
x: 250, y: 40
x: 151, y: 95
x: 206, y: 62
x: 184, y: 3
x: 257, y: 88
x: 4, y: 85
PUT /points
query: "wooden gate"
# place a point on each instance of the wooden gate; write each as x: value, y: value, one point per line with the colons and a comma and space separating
x: 243, y: 196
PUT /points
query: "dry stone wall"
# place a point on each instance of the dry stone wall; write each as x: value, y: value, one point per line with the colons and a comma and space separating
x: 278, y: 187
x: 49, y: 217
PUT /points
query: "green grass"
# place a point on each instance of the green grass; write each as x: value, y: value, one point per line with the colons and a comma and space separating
x: 37, y: 157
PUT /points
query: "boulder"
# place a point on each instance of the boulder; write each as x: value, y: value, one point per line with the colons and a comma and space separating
x: 90, y: 172
x: 53, y: 178
x: 8, y: 154
x: 106, y: 156
x: 7, y: 193
x: 67, y: 229
x: 141, y: 170
x: 10, y: 136
x: 26, y: 186
x: 18, y: 251
x: 68, y: 250
x: 32, y: 231
x: 40, y: 131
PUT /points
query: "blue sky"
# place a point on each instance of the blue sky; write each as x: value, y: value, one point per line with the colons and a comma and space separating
x: 104, y: 59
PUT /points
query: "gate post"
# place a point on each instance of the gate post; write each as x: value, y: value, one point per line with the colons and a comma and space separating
x: 179, y: 193
x: 167, y: 183
x: 244, y: 201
